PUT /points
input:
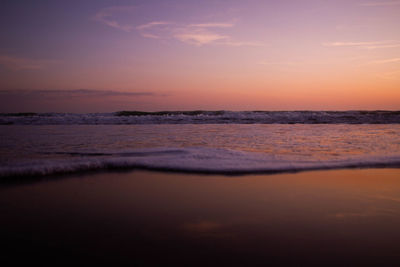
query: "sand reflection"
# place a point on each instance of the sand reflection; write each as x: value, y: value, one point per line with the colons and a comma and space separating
x: 309, y: 217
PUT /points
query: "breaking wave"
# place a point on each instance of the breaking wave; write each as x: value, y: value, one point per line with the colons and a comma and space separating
x: 193, y: 160
x: 204, y: 117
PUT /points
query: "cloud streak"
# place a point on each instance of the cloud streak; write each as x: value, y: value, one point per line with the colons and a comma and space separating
x: 200, y: 37
x: 152, y: 24
x: 365, y: 45
x: 212, y: 25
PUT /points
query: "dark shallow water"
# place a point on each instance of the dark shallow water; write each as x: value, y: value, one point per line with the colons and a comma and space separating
x: 342, y: 217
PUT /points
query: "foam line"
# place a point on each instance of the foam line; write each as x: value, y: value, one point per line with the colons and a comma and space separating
x: 193, y: 160
x: 204, y: 117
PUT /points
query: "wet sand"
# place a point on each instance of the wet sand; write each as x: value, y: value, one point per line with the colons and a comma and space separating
x: 338, y: 217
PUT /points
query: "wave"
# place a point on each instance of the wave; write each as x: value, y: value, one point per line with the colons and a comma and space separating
x: 204, y: 117
x: 192, y: 160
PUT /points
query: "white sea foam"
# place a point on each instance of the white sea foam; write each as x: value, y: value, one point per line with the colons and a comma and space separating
x: 196, y: 160
x: 205, y: 117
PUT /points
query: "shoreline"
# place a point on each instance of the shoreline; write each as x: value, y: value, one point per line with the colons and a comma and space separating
x: 11, y: 180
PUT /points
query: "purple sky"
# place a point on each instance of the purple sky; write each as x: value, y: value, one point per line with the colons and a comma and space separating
x: 100, y: 56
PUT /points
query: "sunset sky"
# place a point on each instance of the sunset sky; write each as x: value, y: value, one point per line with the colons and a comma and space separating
x: 103, y: 56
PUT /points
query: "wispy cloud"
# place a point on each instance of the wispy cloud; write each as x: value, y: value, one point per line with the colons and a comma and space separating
x: 383, y: 61
x: 365, y: 45
x: 194, y: 34
x: 19, y: 63
x: 383, y: 46
x: 106, y: 16
x: 152, y: 24
x: 150, y: 35
x: 200, y: 37
x: 212, y: 25
x: 351, y: 43
x: 197, y: 34
x: 387, y: 3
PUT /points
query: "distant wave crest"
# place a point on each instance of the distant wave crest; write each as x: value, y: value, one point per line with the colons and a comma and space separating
x: 204, y: 117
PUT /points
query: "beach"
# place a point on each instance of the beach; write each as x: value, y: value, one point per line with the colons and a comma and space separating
x: 334, y: 217
x: 200, y: 133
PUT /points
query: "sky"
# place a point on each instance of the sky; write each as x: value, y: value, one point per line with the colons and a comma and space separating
x: 152, y: 55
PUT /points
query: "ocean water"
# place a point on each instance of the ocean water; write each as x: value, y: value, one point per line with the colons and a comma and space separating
x: 147, y: 218
x: 215, y: 143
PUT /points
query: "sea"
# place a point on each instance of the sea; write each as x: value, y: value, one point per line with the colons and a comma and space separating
x: 212, y: 142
